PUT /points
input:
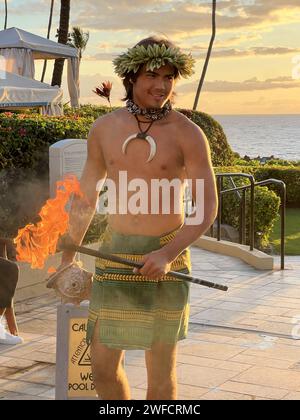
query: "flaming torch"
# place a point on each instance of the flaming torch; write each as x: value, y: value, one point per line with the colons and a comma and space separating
x: 34, y: 244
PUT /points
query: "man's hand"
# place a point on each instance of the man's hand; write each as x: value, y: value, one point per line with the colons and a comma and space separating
x: 155, y: 265
x: 68, y: 256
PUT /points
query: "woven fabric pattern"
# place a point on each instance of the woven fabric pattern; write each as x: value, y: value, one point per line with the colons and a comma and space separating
x: 134, y: 311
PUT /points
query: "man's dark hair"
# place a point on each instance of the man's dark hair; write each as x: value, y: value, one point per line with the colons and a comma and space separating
x: 133, y: 76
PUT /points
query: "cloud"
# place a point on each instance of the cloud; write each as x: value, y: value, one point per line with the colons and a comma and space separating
x: 223, y: 53
x: 178, y: 18
x: 100, y: 56
x: 254, y: 51
x: 218, y: 43
x: 268, y: 7
x: 237, y: 39
x: 246, y: 85
x: 31, y: 7
x: 120, y: 5
x: 88, y: 84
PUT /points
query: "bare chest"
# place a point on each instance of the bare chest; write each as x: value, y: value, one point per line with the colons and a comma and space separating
x: 167, y: 162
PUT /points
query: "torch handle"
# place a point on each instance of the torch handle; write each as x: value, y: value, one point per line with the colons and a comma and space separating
x: 114, y: 258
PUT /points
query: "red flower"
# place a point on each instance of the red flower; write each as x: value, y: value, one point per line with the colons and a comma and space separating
x: 22, y: 132
x: 104, y: 90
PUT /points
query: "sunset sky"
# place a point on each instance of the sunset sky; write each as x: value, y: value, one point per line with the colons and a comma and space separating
x: 254, y: 67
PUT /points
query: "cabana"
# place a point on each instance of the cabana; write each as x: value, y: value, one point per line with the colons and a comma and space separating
x: 19, y: 49
x: 17, y: 92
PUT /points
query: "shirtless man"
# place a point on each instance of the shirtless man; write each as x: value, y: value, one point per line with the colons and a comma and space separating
x: 143, y: 309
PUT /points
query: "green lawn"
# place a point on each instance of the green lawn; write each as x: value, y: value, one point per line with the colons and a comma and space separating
x: 292, y: 233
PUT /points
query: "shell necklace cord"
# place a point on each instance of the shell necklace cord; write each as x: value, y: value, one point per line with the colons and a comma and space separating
x: 153, y: 114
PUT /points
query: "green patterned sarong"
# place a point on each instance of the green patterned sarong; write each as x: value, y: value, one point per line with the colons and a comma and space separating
x: 134, y: 312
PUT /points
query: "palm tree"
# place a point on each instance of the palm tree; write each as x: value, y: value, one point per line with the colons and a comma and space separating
x: 48, y: 35
x: 79, y: 40
x: 214, y: 6
x: 5, y: 22
x: 63, y: 37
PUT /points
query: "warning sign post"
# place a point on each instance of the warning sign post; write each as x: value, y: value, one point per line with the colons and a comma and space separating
x: 73, y: 361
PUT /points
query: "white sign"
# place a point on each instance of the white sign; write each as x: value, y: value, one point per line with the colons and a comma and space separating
x: 66, y: 157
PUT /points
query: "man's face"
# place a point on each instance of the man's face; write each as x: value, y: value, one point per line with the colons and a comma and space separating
x: 153, y: 89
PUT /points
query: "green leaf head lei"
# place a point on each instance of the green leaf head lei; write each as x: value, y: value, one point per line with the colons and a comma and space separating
x: 154, y: 56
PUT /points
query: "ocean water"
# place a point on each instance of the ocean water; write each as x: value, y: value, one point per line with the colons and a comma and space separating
x: 263, y: 135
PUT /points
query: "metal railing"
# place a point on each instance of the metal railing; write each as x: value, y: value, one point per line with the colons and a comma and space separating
x: 242, y: 198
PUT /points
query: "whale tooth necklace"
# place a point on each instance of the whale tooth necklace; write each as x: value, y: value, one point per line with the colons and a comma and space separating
x: 144, y: 136
x: 153, y: 114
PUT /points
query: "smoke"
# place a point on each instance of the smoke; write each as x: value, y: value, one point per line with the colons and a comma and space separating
x: 22, y: 194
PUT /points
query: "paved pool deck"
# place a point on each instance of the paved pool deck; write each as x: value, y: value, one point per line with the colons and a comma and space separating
x: 242, y: 344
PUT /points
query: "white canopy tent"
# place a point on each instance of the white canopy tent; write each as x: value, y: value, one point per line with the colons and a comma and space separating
x: 19, y: 49
x: 19, y: 92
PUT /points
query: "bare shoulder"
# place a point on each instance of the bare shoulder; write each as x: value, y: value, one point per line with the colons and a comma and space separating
x: 106, y: 120
x: 190, y: 134
x: 187, y: 125
x: 101, y: 127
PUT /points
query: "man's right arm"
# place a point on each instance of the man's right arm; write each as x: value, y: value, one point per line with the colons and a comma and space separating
x: 83, y: 209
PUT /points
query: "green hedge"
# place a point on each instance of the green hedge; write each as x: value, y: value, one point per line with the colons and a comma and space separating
x: 87, y: 111
x: 290, y: 175
x: 24, y: 163
x: 25, y: 139
x: 266, y: 208
x: 238, y: 161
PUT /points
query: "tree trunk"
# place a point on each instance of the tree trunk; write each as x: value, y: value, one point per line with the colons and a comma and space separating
x: 63, y: 39
x: 48, y: 36
x: 214, y: 5
x: 5, y: 22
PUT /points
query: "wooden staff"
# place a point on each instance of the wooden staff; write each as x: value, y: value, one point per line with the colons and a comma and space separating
x: 114, y: 258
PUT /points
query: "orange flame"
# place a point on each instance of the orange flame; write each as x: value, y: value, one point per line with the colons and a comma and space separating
x: 34, y: 243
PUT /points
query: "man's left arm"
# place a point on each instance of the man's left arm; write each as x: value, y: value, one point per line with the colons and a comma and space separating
x: 198, y: 166
x: 202, y: 181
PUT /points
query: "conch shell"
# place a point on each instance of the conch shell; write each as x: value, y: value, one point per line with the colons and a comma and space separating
x: 72, y: 283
